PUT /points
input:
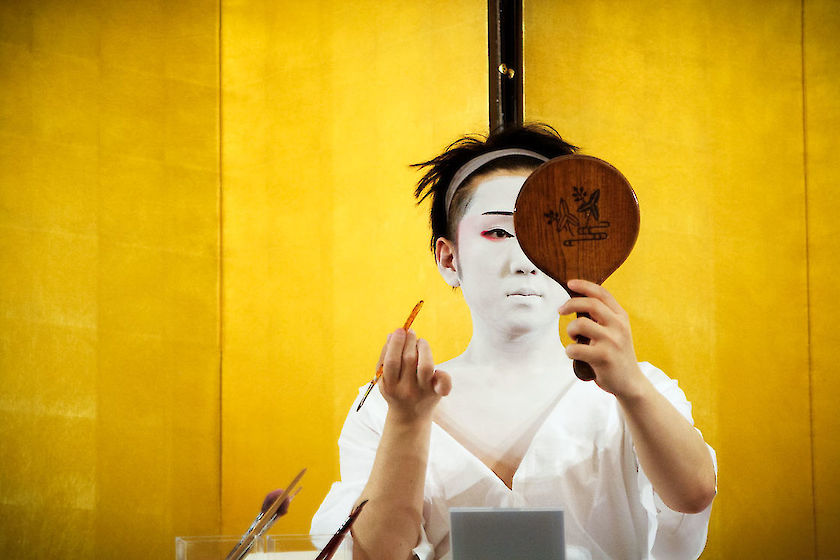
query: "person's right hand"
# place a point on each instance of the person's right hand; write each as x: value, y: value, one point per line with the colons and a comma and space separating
x: 410, y: 384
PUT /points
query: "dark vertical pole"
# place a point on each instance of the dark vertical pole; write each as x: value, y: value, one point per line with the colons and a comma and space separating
x: 504, y: 35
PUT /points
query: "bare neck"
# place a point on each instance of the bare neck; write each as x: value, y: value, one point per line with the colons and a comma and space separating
x: 500, y: 351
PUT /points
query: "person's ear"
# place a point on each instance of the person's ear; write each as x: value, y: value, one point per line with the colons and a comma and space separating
x: 446, y: 261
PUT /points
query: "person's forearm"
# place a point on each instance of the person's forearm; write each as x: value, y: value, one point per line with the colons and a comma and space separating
x: 671, y: 452
x: 389, y: 527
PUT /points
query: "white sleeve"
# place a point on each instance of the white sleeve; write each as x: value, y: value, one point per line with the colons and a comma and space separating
x: 672, y: 534
x: 357, y: 447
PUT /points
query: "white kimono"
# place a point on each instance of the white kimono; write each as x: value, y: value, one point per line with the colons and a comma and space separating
x: 581, y: 460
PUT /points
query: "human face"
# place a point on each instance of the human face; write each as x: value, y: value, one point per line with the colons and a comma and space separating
x: 502, y: 288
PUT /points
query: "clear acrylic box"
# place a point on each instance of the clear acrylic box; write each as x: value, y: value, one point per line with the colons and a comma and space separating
x: 272, y: 547
x: 211, y: 547
x: 302, y: 547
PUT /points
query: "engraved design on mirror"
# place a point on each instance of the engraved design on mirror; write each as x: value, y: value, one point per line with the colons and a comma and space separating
x: 586, y: 225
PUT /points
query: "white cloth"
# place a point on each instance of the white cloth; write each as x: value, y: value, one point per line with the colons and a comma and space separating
x: 581, y: 459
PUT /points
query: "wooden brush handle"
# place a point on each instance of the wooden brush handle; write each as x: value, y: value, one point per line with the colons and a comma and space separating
x: 583, y: 370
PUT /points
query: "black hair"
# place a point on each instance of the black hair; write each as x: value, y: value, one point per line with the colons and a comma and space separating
x: 536, y: 137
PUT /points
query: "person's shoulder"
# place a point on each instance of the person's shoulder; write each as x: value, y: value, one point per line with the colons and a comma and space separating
x: 655, y: 375
x: 668, y: 387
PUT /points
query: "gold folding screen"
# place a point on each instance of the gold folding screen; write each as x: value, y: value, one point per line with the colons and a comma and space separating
x: 822, y: 144
x: 109, y: 354
x: 701, y: 106
x: 324, y: 250
x: 150, y: 388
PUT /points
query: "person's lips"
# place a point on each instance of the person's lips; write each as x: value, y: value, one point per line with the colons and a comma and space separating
x: 525, y: 292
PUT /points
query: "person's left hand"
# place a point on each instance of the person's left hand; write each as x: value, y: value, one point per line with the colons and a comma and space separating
x: 610, y: 350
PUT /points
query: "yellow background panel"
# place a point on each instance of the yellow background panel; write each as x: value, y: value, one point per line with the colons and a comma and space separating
x: 173, y: 347
x: 822, y: 121
x: 324, y: 251
x: 109, y: 277
x: 707, y: 127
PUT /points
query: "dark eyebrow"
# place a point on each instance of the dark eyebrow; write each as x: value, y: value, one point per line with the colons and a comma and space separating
x: 498, y: 213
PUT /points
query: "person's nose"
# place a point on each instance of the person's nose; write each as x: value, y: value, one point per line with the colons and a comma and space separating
x: 519, y: 263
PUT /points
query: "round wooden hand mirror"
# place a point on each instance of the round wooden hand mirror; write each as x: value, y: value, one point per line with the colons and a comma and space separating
x: 577, y: 217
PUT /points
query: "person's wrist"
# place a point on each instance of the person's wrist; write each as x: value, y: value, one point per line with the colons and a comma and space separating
x: 409, y: 418
x: 636, y: 388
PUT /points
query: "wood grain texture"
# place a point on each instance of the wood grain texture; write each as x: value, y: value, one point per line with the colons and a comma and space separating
x: 577, y: 217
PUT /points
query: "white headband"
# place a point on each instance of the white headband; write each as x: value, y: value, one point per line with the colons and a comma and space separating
x: 472, y: 166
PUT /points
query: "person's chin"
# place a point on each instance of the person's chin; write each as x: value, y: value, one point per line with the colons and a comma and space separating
x: 528, y: 316
x: 522, y: 328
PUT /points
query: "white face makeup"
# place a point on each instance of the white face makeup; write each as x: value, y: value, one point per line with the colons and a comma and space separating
x: 502, y: 288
